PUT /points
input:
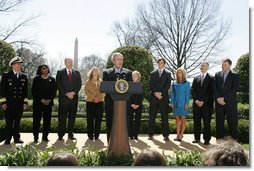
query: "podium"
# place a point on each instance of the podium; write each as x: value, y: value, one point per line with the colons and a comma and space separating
x: 119, y: 140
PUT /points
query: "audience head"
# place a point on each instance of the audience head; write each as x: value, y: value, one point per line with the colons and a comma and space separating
x: 63, y: 159
x: 181, y: 75
x: 204, y: 66
x: 149, y: 157
x: 225, y: 153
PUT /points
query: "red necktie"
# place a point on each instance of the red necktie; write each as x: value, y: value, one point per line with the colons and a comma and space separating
x: 70, y: 75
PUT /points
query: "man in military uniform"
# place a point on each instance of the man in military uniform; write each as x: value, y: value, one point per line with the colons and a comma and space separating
x: 14, y: 91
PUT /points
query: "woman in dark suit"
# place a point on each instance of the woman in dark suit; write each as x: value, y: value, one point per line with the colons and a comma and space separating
x: 44, y: 92
x: 135, y: 107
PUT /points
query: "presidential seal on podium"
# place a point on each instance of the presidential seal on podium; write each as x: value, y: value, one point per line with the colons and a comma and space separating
x: 121, y: 86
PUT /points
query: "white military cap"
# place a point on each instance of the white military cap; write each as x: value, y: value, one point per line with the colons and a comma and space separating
x: 14, y: 60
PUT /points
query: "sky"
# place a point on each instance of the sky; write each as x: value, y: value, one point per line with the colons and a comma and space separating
x: 62, y: 21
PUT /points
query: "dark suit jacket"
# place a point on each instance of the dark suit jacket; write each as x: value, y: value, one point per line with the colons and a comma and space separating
x: 160, y: 84
x: 65, y: 86
x: 229, y: 90
x: 109, y: 75
x: 205, y: 92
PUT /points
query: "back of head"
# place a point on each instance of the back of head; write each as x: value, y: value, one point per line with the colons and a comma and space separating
x: 63, y: 159
x: 149, y: 157
x: 226, y: 153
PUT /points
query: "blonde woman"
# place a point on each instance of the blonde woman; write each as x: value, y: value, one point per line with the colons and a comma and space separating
x: 94, y: 103
x: 135, y: 107
x: 180, y: 101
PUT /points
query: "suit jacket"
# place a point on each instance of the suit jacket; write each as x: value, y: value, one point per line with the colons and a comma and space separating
x: 230, y: 88
x: 205, y: 92
x: 160, y: 84
x: 64, y: 86
x: 14, y: 89
x: 109, y: 75
x: 180, y: 94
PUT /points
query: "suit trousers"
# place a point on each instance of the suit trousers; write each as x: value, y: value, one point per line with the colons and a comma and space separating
x: 133, y: 129
x: 40, y: 110
x: 13, y: 116
x: 202, y: 113
x: 68, y: 108
x: 163, y: 105
x: 94, y: 113
x: 232, y: 120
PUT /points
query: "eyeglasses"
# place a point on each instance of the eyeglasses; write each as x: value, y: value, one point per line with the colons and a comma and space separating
x: 44, y: 68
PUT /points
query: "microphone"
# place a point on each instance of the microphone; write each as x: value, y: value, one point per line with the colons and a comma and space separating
x: 123, y: 76
x: 117, y: 75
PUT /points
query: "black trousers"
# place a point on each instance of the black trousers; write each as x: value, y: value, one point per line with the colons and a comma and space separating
x: 13, y: 116
x: 94, y: 113
x: 202, y: 113
x: 67, y: 110
x: 39, y: 111
x: 232, y: 120
x: 156, y: 104
x: 109, y: 116
x: 133, y: 129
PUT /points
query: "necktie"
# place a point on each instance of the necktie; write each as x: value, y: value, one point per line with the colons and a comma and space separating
x: 224, y: 78
x: 160, y: 72
x: 17, y: 75
x: 70, y: 75
x: 202, y: 79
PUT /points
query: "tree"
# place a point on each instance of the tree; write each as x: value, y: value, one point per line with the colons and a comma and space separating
x: 11, y: 33
x: 31, y: 61
x: 136, y: 58
x: 183, y: 32
x: 6, y: 54
x: 242, y: 68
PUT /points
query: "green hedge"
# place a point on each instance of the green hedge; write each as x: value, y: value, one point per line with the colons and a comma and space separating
x: 81, y: 127
x: 29, y: 155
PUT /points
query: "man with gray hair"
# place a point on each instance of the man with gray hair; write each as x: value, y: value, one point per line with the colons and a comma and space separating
x: 68, y: 83
x: 202, y: 93
x: 112, y: 74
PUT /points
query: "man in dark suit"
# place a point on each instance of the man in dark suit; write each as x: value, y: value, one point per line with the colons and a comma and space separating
x: 112, y: 74
x: 160, y: 81
x: 68, y: 83
x: 202, y: 94
x: 14, y: 92
x: 226, y: 84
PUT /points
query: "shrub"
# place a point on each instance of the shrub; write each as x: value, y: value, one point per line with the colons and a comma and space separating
x: 184, y: 158
x: 6, y: 54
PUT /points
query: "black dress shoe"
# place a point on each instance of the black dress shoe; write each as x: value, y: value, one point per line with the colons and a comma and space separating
x: 72, y: 138
x: 45, y: 139
x: 206, y: 143
x: 18, y: 141
x: 36, y: 140
x: 150, y: 137
x: 195, y: 141
x: 60, y: 138
x: 136, y: 137
x: 7, y: 141
x: 131, y: 137
x: 166, y: 139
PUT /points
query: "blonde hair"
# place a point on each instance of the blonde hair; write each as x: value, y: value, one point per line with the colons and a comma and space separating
x: 90, y: 73
x: 183, y: 77
x: 138, y: 74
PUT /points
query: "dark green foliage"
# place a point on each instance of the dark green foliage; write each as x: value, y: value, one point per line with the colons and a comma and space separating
x: 136, y: 58
x: 242, y: 68
x: 184, y: 158
x: 6, y: 53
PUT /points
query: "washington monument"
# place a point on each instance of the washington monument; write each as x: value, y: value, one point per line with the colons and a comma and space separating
x: 76, y: 54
